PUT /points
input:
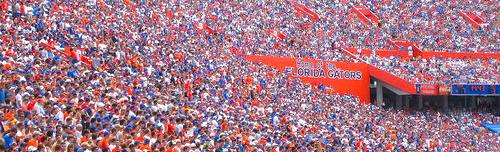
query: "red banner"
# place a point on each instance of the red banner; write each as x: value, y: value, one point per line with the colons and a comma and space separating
x: 361, y: 16
x: 342, y: 77
x: 366, y: 15
x: 304, y: 10
x: 473, y: 19
x: 427, y: 89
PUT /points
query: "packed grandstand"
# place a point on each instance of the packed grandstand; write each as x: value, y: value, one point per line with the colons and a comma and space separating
x: 151, y: 75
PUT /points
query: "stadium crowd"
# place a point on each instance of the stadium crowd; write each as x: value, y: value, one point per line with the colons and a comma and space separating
x: 439, y: 70
x: 438, y: 25
x: 106, y: 75
x: 322, y: 39
x: 432, y: 25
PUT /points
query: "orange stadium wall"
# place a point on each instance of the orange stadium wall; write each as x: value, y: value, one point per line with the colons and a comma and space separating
x: 342, y: 77
x: 392, y: 80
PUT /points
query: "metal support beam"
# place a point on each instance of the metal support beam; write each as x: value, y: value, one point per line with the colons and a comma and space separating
x: 380, y: 94
x: 445, y: 103
x: 474, y: 102
x: 465, y: 102
x: 420, y: 102
x: 407, y: 102
x: 399, y: 102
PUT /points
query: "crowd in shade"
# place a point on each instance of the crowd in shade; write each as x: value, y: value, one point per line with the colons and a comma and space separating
x: 109, y: 75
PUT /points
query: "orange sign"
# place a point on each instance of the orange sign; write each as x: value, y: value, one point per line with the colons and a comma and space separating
x: 342, y: 77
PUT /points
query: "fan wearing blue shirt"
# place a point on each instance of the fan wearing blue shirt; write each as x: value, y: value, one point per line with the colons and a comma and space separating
x: 8, y: 139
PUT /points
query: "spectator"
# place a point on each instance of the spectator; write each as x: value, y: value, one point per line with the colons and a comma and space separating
x: 153, y: 76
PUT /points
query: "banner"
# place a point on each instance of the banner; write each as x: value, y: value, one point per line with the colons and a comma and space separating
x: 306, y: 11
x: 474, y: 20
x: 366, y: 15
x: 475, y: 89
x: 432, y: 89
x: 342, y: 77
x: 427, y: 89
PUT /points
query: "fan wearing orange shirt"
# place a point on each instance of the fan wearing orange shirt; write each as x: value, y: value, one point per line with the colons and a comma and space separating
x: 9, y: 115
x: 145, y: 146
x: 32, y: 143
x: 388, y: 146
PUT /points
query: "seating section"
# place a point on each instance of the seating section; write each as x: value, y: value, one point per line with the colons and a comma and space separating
x: 150, y: 75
